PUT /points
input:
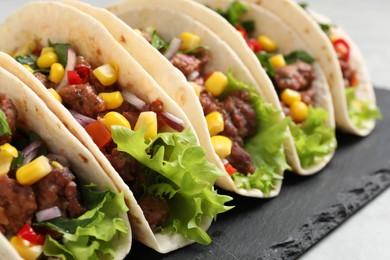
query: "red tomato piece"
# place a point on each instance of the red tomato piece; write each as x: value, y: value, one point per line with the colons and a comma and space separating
x: 99, y: 133
x: 254, y: 45
x: 230, y: 169
x: 242, y: 31
x: 342, y: 49
x: 27, y: 233
x: 74, y: 78
x: 84, y: 74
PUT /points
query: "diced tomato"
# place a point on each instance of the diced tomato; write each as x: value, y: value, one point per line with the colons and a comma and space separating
x: 37, y: 52
x: 99, y: 133
x: 254, y: 45
x: 84, y: 73
x: 230, y: 169
x: 27, y: 233
x: 73, y: 77
x: 342, y: 49
x: 354, y: 80
x: 242, y: 31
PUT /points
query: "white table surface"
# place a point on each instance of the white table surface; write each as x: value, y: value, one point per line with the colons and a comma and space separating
x: 366, y: 235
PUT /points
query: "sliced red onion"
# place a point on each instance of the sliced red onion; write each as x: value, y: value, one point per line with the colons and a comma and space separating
x: 133, y: 99
x: 193, y: 75
x: 173, y: 121
x: 58, y: 158
x: 70, y: 65
x: 47, y: 214
x: 174, y: 47
x: 81, y: 119
x: 30, y: 151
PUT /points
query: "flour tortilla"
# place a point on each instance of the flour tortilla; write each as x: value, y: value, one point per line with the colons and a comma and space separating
x: 171, y: 79
x: 34, y: 115
x: 66, y: 24
x: 287, y: 39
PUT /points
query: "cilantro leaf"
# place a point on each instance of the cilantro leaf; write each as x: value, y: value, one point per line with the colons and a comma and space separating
x: 298, y: 55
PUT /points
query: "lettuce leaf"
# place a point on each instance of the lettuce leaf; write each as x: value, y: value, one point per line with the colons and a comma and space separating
x: 181, y: 173
x: 4, y: 126
x: 265, y: 147
x: 313, y: 139
x: 360, y: 111
x: 90, y: 236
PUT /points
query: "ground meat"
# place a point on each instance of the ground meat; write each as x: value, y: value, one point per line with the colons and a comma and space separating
x: 11, y: 115
x: 297, y: 76
x: 204, y: 57
x: 240, y: 160
x: 186, y: 63
x: 83, y: 99
x: 348, y: 72
x: 308, y: 96
x: 209, y: 102
x: 81, y: 62
x: 45, y: 80
x: 17, y: 205
x: 156, y: 210
x: 59, y: 189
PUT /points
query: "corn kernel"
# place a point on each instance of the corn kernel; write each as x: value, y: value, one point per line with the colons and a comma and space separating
x: 277, y: 61
x: 299, y: 111
x: 290, y: 96
x: 26, y: 250
x: 24, y: 50
x: 197, y: 88
x: 57, y: 165
x: 222, y: 145
x: 215, y: 123
x: 28, y: 68
x: 55, y: 94
x: 332, y: 38
x: 47, y: 59
x: 115, y: 118
x: 7, y: 154
x: 216, y: 83
x: 267, y: 44
x: 112, y: 100
x: 57, y: 72
x: 190, y: 41
x: 138, y: 31
x: 32, y: 172
x: 148, y: 119
x: 47, y: 49
x: 107, y: 74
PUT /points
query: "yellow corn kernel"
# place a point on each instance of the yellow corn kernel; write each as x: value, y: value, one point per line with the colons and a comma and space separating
x: 332, y: 38
x: 138, y: 31
x: 47, y: 49
x: 148, y: 119
x: 112, y: 100
x: 107, y: 74
x: 24, y: 50
x: 222, y: 145
x: 215, y: 123
x: 32, y: 172
x: 115, y: 118
x: 216, y: 83
x: 26, y: 250
x: 55, y: 94
x: 28, y: 68
x: 290, y: 96
x: 189, y: 41
x: 47, y: 59
x: 277, y: 61
x: 197, y: 88
x: 57, y: 72
x: 299, y: 111
x: 57, y: 165
x: 7, y: 154
x: 267, y: 44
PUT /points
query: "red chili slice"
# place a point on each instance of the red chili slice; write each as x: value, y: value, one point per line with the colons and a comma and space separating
x: 84, y: 73
x: 27, y: 233
x: 74, y: 78
x: 254, y: 45
x: 242, y: 31
x: 342, y: 49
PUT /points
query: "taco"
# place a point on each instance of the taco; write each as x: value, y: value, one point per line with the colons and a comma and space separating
x: 55, y: 199
x: 353, y: 94
x: 245, y: 130
x: 312, y: 141
x: 140, y: 137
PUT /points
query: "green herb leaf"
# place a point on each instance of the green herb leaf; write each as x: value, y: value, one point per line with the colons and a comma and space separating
x: 61, y: 49
x: 303, y: 5
x: 263, y: 57
x: 298, y: 55
x: 249, y: 26
x: 30, y: 60
x: 4, y: 126
x: 233, y: 13
x: 157, y: 42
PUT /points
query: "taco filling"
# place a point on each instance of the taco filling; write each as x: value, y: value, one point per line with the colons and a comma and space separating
x: 150, y: 148
x: 293, y: 76
x: 43, y: 210
x: 236, y: 115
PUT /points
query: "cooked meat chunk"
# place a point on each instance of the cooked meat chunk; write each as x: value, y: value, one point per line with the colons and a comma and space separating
x: 83, y: 99
x: 17, y: 205
x: 59, y: 189
x: 348, y: 72
x: 45, y: 80
x: 308, y: 96
x: 186, y: 63
x: 156, y: 210
x: 296, y: 76
x: 11, y: 115
x: 209, y: 102
x: 240, y: 160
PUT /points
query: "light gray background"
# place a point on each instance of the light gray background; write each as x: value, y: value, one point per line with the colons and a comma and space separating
x: 366, y: 235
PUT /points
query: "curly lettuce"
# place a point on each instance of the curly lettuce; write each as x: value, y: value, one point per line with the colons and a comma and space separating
x: 360, y: 111
x: 4, y: 126
x: 91, y: 235
x: 313, y: 139
x: 265, y: 147
x: 179, y: 172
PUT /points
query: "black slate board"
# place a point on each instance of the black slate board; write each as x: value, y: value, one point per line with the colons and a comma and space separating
x: 307, y: 209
